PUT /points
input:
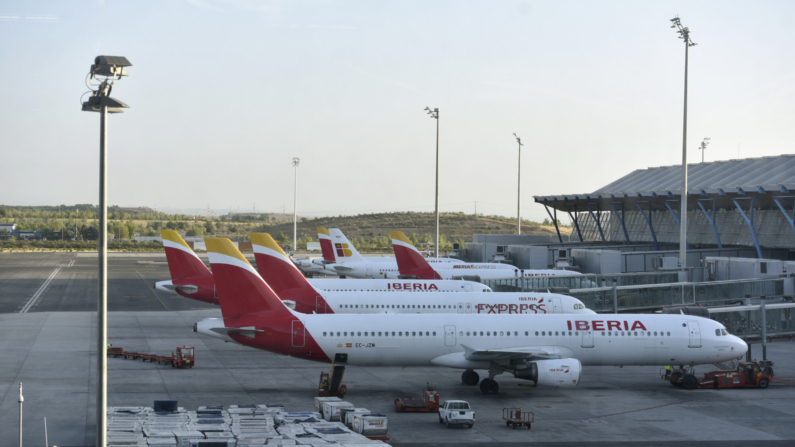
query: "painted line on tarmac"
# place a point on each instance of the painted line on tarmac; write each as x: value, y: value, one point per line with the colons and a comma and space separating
x: 151, y: 290
x: 37, y: 295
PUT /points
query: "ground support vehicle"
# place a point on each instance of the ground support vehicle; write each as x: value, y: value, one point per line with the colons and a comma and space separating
x: 515, y: 417
x: 428, y: 404
x: 331, y: 382
x: 747, y: 375
x: 182, y: 358
x: 456, y: 412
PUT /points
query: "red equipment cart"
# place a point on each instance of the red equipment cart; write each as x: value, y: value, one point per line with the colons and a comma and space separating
x: 515, y: 417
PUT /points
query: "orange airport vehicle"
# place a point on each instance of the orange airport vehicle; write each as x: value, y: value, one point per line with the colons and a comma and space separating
x: 747, y: 375
x: 428, y: 404
x: 515, y: 417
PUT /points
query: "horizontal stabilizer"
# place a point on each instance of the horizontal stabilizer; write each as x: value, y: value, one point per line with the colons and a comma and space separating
x: 342, y: 268
x: 250, y: 332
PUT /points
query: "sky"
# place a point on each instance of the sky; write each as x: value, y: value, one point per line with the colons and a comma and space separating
x: 224, y: 93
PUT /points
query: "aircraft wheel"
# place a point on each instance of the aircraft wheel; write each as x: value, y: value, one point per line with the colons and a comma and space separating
x: 763, y: 383
x: 470, y: 377
x: 689, y: 382
x: 489, y: 386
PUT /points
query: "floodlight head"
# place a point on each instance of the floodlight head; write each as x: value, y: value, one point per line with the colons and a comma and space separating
x: 686, y: 29
x: 296, y: 161
x: 110, y: 66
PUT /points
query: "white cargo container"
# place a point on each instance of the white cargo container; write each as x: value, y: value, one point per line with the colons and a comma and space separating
x: 331, y: 410
x: 185, y: 437
x: 370, y: 424
x: 346, y: 415
x: 320, y: 399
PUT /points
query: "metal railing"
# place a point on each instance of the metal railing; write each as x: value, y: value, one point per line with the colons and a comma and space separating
x: 587, y: 281
x: 677, y: 294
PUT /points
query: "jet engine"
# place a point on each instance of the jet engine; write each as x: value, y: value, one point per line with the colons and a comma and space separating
x: 553, y: 373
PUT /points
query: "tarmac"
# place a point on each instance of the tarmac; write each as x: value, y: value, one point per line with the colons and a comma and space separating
x: 51, y: 347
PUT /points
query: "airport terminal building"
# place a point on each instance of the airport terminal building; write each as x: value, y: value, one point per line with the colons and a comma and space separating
x: 729, y: 203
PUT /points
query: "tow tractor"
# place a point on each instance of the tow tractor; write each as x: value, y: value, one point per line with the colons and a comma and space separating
x: 747, y: 375
x: 428, y: 404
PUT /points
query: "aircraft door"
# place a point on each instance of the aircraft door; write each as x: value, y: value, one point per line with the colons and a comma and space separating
x: 556, y: 308
x: 369, y: 270
x: 449, y: 336
x: 320, y: 306
x: 460, y: 308
x: 299, y: 334
x: 468, y: 287
x: 468, y: 307
x: 587, y: 339
x: 695, y: 334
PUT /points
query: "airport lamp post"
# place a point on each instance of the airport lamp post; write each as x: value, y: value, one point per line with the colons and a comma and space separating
x: 435, y: 115
x: 296, y: 162
x: 703, y: 148
x: 684, y: 34
x: 106, y: 70
x: 519, y: 188
x: 20, y: 399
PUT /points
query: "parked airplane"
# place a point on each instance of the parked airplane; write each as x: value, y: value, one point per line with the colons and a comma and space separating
x: 275, y: 267
x: 550, y: 350
x: 411, y: 263
x: 192, y: 279
x: 189, y: 276
x: 348, y: 261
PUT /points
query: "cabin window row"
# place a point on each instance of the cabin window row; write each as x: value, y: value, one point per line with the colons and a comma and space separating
x: 399, y: 306
x: 381, y: 334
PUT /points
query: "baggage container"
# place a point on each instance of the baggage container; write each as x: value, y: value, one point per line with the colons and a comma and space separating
x: 346, y: 415
x: 185, y: 437
x: 331, y: 410
x: 320, y: 399
x: 370, y: 424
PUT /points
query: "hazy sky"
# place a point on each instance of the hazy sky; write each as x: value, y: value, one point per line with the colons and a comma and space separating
x: 225, y: 93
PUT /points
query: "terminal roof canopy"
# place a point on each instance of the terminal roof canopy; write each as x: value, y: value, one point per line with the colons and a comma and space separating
x: 762, y: 178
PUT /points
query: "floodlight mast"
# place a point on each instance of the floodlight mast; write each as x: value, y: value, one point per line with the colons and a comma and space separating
x: 703, y: 148
x: 519, y: 188
x: 684, y: 34
x: 435, y: 115
x: 296, y: 162
x: 108, y: 68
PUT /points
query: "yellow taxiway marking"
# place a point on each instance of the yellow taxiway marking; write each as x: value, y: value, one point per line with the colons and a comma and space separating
x: 150, y: 289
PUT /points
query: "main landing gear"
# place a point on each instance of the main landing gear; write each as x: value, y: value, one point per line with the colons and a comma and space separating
x: 487, y: 386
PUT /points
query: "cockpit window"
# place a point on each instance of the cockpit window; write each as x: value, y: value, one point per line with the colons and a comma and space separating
x: 724, y: 332
x: 717, y: 332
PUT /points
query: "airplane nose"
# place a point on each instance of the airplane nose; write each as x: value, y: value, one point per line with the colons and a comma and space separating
x: 741, y: 347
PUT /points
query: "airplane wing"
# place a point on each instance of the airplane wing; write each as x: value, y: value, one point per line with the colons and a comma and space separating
x: 515, y: 352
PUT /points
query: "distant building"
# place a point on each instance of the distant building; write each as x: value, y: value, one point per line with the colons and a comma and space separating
x: 8, y: 227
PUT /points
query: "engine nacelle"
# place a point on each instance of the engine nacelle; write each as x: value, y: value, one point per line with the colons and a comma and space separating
x: 553, y: 373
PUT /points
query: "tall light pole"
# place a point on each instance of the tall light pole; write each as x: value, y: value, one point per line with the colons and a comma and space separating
x: 296, y: 162
x: 519, y: 188
x: 435, y: 115
x: 703, y: 148
x: 684, y: 34
x: 20, y: 399
x: 106, y: 70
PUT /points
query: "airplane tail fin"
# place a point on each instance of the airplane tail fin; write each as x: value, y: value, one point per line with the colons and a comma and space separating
x: 409, y: 260
x: 343, y: 249
x: 182, y: 261
x: 326, y: 247
x: 283, y: 276
x: 241, y: 291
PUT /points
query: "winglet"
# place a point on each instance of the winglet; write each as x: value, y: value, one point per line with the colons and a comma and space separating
x: 410, y: 262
